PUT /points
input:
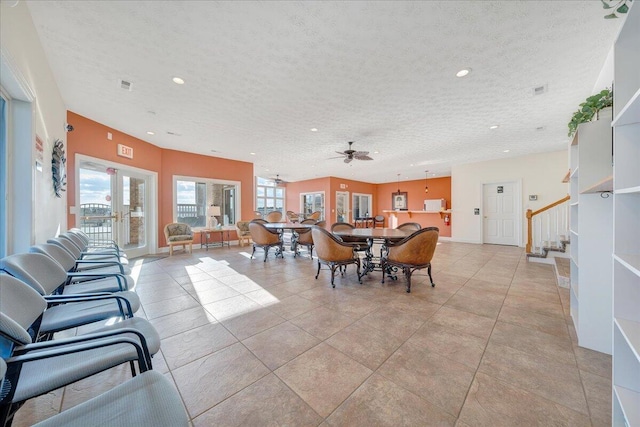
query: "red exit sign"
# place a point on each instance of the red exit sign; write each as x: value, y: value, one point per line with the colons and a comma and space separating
x: 124, y: 151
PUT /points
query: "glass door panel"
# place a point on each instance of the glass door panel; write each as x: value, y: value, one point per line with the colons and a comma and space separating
x: 131, y: 204
x: 113, y: 206
x: 312, y: 202
x: 96, y: 215
x: 342, y: 206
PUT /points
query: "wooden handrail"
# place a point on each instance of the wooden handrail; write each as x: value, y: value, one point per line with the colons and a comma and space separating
x: 531, y: 214
x: 564, y: 199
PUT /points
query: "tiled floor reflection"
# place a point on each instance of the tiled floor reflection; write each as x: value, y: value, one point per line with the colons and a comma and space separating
x: 249, y: 343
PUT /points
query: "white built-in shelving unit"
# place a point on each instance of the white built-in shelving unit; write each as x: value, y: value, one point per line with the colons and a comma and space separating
x: 591, y: 233
x: 626, y: 224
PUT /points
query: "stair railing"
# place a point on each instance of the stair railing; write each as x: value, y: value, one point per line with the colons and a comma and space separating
x: 547, y: 225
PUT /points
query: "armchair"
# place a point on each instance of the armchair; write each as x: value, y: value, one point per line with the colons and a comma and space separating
x: 360, y: 243
x: 410, y: 226
x: 333, y: 252
x: 412, y: 253
x: 293, y: 217
x: 264, y: 238
x: 244, y: 235
x: 303, y: 237
x: 274, y: 216
x: 314, y: 215
x: 177, y: 234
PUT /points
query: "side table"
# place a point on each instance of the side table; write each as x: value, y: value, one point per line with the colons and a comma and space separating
x: 205, y: 237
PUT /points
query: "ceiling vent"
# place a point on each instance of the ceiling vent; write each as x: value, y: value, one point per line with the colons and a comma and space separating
x: 173, y: 133
x: 539, y: 90
x: 125, y: 85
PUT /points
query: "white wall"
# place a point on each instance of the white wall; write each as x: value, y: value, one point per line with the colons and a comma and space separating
x: 36, y: 214
x: 541, y: 174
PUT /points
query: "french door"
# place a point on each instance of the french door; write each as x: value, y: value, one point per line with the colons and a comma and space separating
x: 342, y: 206
x: 115, y: 204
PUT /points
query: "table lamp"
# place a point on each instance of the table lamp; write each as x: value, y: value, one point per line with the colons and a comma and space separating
x: 213, y: 211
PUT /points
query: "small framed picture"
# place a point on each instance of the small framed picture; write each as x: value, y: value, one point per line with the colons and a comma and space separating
x: 399, y: 201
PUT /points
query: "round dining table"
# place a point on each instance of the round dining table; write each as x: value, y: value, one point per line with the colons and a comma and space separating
x: 375, y: 235
x: 280, y: 227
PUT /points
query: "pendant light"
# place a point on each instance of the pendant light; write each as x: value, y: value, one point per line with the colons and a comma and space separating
x: 398, y: 183
x: 426, y: 187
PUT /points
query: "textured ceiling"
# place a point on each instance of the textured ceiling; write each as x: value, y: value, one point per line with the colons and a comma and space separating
x: 260, y: 75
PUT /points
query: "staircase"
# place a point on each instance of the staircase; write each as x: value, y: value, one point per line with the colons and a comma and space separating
x: 548, y: 229
x: 544, y: 250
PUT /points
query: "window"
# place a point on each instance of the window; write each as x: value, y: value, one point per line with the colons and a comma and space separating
x: 193, y: 196
x: 361, y: 205
x: 269, y: 197
x: 3, y: 176
x: 312, y: 202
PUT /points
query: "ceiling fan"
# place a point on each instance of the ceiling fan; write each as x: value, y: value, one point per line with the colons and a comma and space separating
x: 351, y: 154
x: 278, y: 181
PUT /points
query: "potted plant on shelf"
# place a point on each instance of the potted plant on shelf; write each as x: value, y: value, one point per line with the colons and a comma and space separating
x: 589, y: 108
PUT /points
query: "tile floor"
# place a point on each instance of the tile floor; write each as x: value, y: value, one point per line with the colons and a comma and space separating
x: 252, y: 343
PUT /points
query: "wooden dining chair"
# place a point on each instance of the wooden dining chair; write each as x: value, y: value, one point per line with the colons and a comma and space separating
x: 378, y: 220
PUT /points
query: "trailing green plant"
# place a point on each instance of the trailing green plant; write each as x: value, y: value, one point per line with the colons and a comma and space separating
x: 589, y: 108
x: 618, y: 6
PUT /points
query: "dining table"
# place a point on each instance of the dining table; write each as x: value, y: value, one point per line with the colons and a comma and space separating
x: 280, y: 227
x: 384, y: 236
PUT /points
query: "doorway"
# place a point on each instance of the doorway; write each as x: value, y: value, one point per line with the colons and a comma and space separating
x: 312, y: 202
x: 342, y: 206
x: 501, y: 213
x: 117, y: 203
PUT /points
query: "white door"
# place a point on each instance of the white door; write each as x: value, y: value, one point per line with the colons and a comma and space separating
x: 342, y: 206
x: 500, y: 221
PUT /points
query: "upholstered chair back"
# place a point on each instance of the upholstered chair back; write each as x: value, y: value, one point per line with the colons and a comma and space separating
x: 177, y: 232
x: 329, y: 247
x: 275, y: 216
x: 416, y: 249
x: 261, y: 235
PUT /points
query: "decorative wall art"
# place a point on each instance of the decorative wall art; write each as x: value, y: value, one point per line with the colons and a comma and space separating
x: 59, y: 168
x: 399, y: 201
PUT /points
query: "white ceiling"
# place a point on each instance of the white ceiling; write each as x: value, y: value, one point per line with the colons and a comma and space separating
x: 260, y: 75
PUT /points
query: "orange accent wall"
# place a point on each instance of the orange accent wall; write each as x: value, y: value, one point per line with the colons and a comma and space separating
x: 439, y: 188
x: 90, y: 138
x: 294, y: 189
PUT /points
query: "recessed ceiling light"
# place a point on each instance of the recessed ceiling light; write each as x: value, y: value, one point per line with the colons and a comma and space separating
x: 178, y: 81
x: 150, y: 133
x: 376, y: 152
x: 253, y: 154
x: 463, y: 72
x: 506, y: 151
x: 411, y: 164
x: 314, y: 130
x: 494, y: 127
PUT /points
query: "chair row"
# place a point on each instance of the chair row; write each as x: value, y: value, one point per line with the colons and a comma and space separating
x: 53, y: 288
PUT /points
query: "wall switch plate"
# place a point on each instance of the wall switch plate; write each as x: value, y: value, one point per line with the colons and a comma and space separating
x: 109, y: 136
